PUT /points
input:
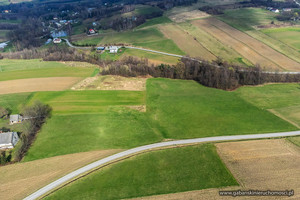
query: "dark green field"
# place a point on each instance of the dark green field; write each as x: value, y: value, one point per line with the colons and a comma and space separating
x: 159, y: 172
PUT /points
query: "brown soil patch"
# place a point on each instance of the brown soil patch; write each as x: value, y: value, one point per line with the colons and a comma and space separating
x: 185, y: 41
x: 112, y: 83
x: 184, y: 16
x: 21, y: 179
x: 141, y: 108
x: 77, y: 64
x: 37, y: 84
x: 250, y: 48
x: 263, y: 164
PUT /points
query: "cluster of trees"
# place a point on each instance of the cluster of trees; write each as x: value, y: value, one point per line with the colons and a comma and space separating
x: 36, y: 116
x: 219, y: 74
x: 28, y: 34
x: 5, y: 157
x: 287, y: 16
x: 219, y: 9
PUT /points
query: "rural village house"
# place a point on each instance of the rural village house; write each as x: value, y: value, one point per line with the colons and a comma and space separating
x: 14, y: 119
x: 8, y: 140
x: 57, y: 40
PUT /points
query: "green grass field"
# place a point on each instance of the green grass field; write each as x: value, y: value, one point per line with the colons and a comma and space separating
x: 156, y: 21
x: 289, y: 36
x: 282, y: 98
x: 185, y: 109
x: 87, y: 102
x: 148, y: 38
x: 244, y: 19
x: 176, y: 109
x: 21, y: 69
x: 151, y: 56
x: 159, y: 172
x: 14, y: 102
x: 90, y: 120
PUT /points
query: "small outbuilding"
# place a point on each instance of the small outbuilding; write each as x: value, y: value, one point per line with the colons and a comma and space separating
x: 14, y: 119
x: 8, y: 140
x: 56, y: 40
x: 113, y: 49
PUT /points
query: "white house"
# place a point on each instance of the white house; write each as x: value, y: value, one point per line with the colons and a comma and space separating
x: 56, y: 40
x: 13, y: 119
x: 113, y: 49
x: 8, y: 140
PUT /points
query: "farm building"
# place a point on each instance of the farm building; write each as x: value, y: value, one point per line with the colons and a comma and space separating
x: 92, y: 31
x: 14, y: 119
x: 113, y: 49
x: 8, y: 140
x: 56, y: 40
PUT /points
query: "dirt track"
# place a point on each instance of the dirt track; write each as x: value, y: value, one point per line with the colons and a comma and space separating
x: 37, y: 84
x: 252, y: 49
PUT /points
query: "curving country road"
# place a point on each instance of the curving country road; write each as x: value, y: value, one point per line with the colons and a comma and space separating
x: 170, y: 54
x: 43, y: 191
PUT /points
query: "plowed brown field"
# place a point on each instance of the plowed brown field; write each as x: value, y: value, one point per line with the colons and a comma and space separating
x: 250, y: 48
x: 37, y: 84
x: 21, y: 179
x: 186, y: 42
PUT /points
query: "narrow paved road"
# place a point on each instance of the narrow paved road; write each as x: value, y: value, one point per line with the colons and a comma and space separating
x: 174, y: 55
x: 140, y: 149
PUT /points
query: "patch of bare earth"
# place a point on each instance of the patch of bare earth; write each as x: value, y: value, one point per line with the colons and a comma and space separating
x: 257, y: 165
x: 186, y: 42
x: 21, y: 179
x: 112, y: 83
x: 250, y: 48
x: 184, y: 16
x: 77, y: 64
x: 37, y: 84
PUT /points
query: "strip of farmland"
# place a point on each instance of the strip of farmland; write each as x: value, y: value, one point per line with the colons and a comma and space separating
x: 252, y: 49
x: 37, y: 84
x: 186, y: 42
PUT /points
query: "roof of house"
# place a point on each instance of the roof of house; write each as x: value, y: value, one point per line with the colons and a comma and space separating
x: 7, y: 138
x: 15, y: 117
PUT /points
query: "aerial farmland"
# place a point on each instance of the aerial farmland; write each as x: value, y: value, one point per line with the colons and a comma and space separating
x: 185, y: 99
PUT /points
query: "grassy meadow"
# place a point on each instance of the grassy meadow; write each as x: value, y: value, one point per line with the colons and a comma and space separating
x: 246, y: 18
x: 186, y: 109
x: 289, y: 36
x: 150, y: 38
x: 90, y: 120
x: 176, y: 109
x: 282, y: 99
x: 22, y: 69
x: 159, y: 172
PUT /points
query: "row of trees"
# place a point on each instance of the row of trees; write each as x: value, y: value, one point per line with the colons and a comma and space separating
x: 217, y: 74
x: 36, y: 116
x: 222, y: 76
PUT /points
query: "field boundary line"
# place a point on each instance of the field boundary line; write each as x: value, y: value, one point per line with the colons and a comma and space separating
x: 274, y: 44
x: 79, y: 172
x: 249, y: 46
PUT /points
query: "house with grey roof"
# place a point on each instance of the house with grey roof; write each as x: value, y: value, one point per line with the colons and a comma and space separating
x: 8, y: 140
x: 13, y: 119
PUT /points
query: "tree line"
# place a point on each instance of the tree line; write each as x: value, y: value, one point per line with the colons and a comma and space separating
x: 218, y: 74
